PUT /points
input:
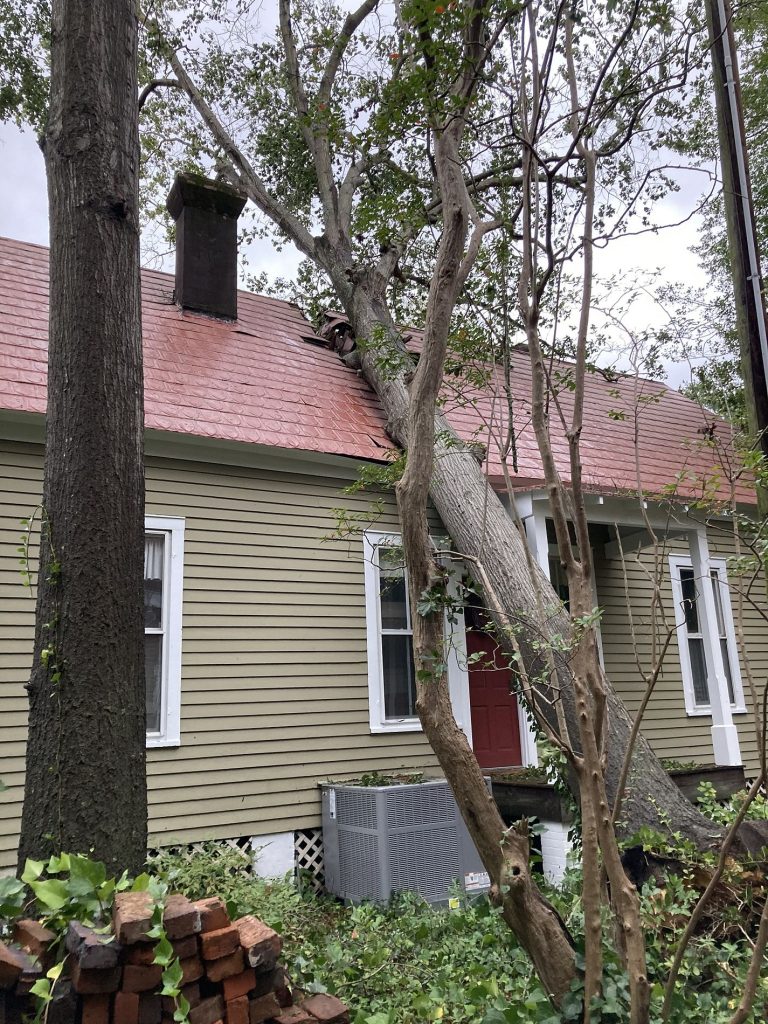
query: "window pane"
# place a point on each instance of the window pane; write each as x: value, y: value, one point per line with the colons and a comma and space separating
x: 718, y: 603
x: 153, y: 671
x: 688, y: 585
x: 394, y: 609
x: 727, y: 667
x: 698, y: 671
x: 154, y: 560
x: 559, y: 581
x: 399, y: 676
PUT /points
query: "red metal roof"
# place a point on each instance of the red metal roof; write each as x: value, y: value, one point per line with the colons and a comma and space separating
x: 254, y: 380
x: 636, y: 433
x: 257, y: 381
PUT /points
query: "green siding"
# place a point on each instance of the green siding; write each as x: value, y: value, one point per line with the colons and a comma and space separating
x: 274, y: 669
x: 671, y: 731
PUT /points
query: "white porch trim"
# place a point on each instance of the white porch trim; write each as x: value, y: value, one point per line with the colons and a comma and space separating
x: 725, y: 736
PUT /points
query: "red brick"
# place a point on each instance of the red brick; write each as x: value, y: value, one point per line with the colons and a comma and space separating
x: 31, y: 974
x: 191, y: 970
x: 62, y: 1008
x: 295, y: 1015
x: 263, y: 1008
x: 126, y: 1009
x: 180, y: 917
x: 265, y: 982
x: 132, y: 917
x: 140, y: 978
x: 186, y: 947
x: 261, y: 944
x: 90, y: 949
x: 94, y: 981
x: 213, y: 914
x: 225, y: 966
x: 237, y: 1011
x: 33, y: 937
x: 239, y: 984
x: 95, y: 1009
x: 209, y: 1011
x: 327, y: 1009
x: 150, y: 1008
x: 222, y: 942
x: 141, y: 955
x: 281, y: 987
x: 12, y: 963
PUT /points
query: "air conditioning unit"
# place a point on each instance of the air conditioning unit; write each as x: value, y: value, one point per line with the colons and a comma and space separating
x: 382, y: 840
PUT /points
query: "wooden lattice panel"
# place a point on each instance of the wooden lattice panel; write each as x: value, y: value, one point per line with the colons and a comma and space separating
x: 243, y: 846
x: 308, y: 858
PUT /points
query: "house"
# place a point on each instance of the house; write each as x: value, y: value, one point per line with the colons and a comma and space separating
x: 275, y: 656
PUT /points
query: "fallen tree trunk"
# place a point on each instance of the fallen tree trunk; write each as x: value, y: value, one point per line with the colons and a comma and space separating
x: 481, y: 528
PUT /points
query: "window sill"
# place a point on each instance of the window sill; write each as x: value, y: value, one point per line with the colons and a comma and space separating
x: 160, y: 742
x: 401, y: 725
x: 707, y: 712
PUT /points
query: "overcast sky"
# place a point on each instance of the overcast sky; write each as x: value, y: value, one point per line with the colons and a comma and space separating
x: 24, y: 216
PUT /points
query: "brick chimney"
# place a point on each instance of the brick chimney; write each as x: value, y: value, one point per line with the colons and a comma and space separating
x: 206, y: 215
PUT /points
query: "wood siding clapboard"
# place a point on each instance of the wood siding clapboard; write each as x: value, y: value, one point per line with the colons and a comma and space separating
x: 274, y: 669
x: 672, y: 732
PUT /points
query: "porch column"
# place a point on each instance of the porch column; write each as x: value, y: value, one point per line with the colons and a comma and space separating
x: 536, y: 534
x: 535, y: 521
x: 725, y: 737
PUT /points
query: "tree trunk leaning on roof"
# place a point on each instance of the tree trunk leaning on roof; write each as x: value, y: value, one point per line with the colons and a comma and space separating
x: 481, y: 528
x: 474, y: 516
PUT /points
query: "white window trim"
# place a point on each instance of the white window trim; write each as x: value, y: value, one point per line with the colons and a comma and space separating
x: 170, y: 711
x: 676, y: 563
x: 458, y: 678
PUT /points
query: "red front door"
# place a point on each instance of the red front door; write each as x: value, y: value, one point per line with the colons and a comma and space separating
x: 495, y: 723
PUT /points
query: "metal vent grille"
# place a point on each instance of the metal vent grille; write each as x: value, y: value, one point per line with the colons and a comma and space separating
x: 383, y: 840
x: 357, y: 807
x: 359, y: 866
x: 425, y: 862
x: 409, y: 808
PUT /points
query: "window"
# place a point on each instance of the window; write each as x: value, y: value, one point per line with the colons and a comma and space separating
x: 391, y: 672
x: 691, y: 638
x: 163, y: 580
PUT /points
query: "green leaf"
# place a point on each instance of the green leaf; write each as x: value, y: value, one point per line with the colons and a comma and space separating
x: 181, y: 1013
x: 52, y: 893
x: 163, y: 951
x: 85, y: 875
x: 55, y: 971
x: 42, y: 989
x: 141, y: 883
x: 32, y: 870
x: 58, y: 864
x: 173, y: 974
x: 12, y: 892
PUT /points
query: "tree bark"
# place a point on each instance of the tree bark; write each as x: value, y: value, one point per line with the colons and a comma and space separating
x: 481, y: 528
x: 86, y: 779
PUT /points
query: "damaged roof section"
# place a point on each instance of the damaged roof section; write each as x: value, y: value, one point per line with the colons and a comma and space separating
x: 268, y: 378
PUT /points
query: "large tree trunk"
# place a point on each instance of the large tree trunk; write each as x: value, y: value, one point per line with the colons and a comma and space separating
x: 86, y: 779
x: 481, y: 528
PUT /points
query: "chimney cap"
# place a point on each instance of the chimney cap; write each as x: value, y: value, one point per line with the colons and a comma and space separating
x: 204, y: 194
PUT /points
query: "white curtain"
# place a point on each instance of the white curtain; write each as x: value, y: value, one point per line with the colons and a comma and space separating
x: 154, y: 548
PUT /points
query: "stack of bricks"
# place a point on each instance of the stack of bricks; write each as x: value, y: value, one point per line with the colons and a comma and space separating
x: 230, y: 970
